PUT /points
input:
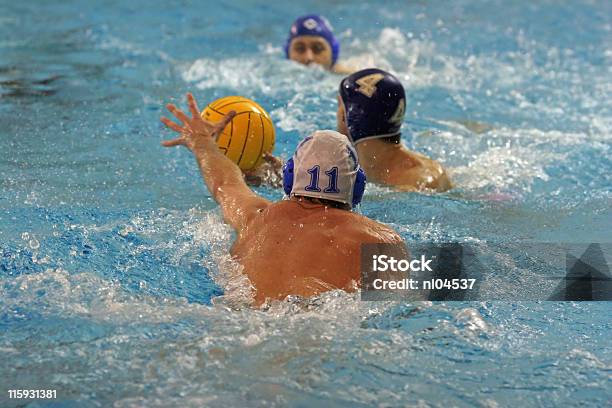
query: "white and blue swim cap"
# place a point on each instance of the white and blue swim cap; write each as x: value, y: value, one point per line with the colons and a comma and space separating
x: 325, y: 166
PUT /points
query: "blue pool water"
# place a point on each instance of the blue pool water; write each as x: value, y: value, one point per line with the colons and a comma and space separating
x: 112, y: 251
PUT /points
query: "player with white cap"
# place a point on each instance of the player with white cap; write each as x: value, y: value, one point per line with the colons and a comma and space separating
x: 306, y: 244
x: 325, y: 167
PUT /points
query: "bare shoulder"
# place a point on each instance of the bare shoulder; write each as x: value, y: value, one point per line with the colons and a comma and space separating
x: 437, y: 176
x: 331, y: 221
x: 370, y: 230
x: 427, y: 174
x: 340, y: 68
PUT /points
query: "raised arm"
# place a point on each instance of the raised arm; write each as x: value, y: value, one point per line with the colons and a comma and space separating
x: 222, y: 176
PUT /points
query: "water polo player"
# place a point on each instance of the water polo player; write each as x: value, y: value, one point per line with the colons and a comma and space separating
x: 371, y: 107
x: 302, y: 246
x: 311, y: 40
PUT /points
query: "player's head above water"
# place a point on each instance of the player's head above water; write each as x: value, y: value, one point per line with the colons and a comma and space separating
x: 325, y: 166
x: 372, y: 104
x: 311, y: 40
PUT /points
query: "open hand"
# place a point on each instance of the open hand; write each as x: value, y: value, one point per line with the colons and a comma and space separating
x: 195, y: 130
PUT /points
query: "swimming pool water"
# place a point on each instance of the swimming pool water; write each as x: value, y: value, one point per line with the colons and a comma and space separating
x: 112, y: 251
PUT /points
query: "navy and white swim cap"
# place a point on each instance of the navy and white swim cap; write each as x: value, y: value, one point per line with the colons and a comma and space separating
x: 313, y: 24
x: 374, y: 104
x: 325, y: 165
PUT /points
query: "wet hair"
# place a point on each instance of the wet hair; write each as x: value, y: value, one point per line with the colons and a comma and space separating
x: 392, y: 139
x: 329, y: 203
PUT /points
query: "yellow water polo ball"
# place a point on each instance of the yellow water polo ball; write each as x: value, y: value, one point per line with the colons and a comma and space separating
x: 248, y: 136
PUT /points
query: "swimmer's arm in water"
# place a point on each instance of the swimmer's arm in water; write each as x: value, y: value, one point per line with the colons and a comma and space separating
x: 339, y: 68
x: 222, y: 176
x: 269, y: 172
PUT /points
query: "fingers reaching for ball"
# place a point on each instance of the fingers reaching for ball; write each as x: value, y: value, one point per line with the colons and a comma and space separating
x: 250, y: 134
x: 171, y: 125
x: 225, y: 121
x: 179, y: 141
x: 193, y: 106
x: 178, y: 113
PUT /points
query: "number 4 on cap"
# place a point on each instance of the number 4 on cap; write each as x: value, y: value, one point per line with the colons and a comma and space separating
x: 398, y: 116
x: 367, y: 84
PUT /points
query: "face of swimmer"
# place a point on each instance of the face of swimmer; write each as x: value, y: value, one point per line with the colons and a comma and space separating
x: 308, y: 49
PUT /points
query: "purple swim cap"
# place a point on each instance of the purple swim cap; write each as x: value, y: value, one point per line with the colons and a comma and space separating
x: 313, y: 24
x: 374, y: 104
